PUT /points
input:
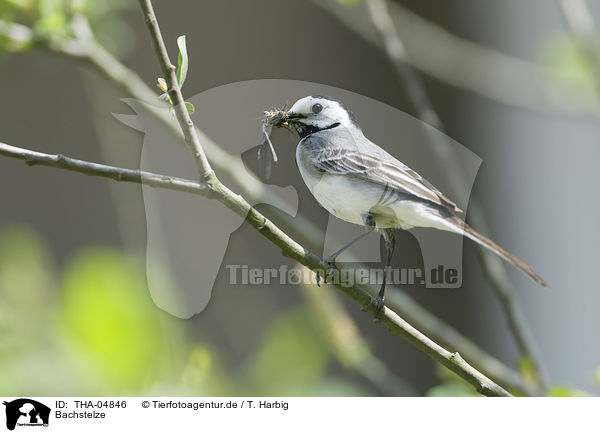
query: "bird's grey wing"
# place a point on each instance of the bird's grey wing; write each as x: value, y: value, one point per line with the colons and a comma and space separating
x: 377, y: 166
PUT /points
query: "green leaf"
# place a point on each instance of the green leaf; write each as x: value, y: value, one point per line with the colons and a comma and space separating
x: 190, y: 107
x: 182, y: 68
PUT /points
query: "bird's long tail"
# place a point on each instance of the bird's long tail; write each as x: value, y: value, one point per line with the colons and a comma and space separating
x: 469, y: 232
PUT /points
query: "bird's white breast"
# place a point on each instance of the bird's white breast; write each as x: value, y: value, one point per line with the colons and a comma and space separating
x: 350, y: 199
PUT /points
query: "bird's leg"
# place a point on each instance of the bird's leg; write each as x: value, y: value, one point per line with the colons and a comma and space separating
x: 390, y: 244
x: 330, y: 259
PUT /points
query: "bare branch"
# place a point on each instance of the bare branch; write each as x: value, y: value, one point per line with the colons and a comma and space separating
x: 90, y: 51
x: 94, y: 169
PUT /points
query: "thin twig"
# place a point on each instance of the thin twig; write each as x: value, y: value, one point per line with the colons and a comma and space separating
x: 87, y: 49
x: 169, y: 71
x: 416, y: 90
x: 94, y: 169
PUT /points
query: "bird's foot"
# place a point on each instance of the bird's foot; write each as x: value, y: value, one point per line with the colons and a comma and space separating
x: 331, y: 270
x: 379, y: 304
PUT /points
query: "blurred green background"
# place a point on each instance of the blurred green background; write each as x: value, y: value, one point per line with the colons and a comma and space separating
x: 90, y: 328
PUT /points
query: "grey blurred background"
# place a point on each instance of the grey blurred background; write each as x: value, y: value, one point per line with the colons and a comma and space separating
x: 537, y: 184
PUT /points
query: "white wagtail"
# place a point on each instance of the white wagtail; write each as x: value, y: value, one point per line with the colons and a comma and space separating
x: 359, y: 182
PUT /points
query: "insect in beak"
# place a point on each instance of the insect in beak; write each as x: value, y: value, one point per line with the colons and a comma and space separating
x: 277, y: 118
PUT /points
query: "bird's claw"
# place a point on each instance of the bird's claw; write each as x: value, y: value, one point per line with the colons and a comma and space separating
x: 331, y: 270
x: 379, y: 307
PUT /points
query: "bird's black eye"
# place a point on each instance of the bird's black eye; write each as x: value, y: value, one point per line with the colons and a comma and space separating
x: 317, y: 108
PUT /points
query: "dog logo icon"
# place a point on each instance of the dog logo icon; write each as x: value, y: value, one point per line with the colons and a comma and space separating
x: 26, y: 412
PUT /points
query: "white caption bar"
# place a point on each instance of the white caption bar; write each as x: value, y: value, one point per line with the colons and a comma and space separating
x: 159, y: 414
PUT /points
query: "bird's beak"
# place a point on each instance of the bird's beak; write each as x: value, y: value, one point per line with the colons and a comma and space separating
x: 290, y: 116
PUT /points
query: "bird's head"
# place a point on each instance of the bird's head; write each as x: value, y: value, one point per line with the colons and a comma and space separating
x: 315, y: 113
